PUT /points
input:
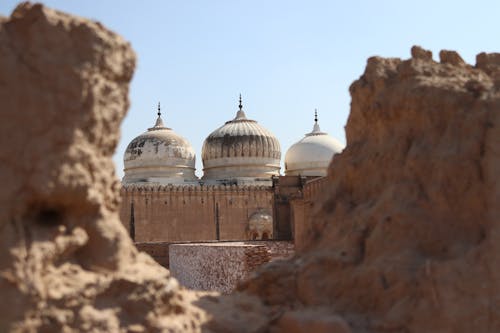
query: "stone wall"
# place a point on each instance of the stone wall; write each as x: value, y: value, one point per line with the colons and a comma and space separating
x: 175, y: 213
x: 219, y: 266
x: 191, y: 213
x: 286, y: 188
x: 277, y: 249
x: 303, y: 208
x: 215, y: 266
x: 157, y: 250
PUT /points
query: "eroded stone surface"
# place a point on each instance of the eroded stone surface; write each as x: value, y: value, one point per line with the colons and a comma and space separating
x: 407, y: 240
x: 66, y: 262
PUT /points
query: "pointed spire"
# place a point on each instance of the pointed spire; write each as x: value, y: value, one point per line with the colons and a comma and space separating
x: 240, y: 115
x: 159, y: 121
x: 316, y: 130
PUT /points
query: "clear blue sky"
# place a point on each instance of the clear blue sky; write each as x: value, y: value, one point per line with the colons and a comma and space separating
x: 285, y: 57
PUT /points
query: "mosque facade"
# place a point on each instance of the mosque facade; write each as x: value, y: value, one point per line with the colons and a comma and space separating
x: 241, y: 195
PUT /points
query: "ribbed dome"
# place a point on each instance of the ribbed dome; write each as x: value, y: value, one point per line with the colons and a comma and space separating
x: 241, y: 148
x: 159, y: 155
x: 312, y: 155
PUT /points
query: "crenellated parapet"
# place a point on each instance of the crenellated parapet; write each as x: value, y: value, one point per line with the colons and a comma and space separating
x: 148, y: 187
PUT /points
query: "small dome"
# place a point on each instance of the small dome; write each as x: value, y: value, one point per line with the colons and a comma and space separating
x: 159, y: 155
x: 260, y: 226
x: 312, y: 155
x: 241, y: 148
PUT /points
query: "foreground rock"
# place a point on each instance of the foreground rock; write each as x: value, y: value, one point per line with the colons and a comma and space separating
x: 66, y: 263
x: 408, y: 238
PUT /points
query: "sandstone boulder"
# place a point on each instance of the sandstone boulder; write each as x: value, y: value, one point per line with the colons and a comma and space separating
x: 407, y: 239
x: 66, y: 263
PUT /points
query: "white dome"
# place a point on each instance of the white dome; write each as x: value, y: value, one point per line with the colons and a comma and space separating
x: 312, y: 155
x: 241, y: 148
x: 159, y: 155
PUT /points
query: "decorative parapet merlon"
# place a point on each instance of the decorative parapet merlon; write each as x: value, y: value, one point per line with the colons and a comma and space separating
x: 192, y: 188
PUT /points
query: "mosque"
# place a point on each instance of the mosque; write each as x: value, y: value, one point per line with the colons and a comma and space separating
x: 241, y: 195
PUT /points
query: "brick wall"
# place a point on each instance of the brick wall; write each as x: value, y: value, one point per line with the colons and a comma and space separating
x: 302, y: 209
x: 191, y: 213
x: 157, y: 250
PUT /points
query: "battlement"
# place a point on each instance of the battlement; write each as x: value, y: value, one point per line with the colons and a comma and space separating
x: 193, y: 188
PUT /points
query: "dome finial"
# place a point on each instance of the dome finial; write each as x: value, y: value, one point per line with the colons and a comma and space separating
x: 240, y: 115
x: 159, y: 121
x: 316, y: 129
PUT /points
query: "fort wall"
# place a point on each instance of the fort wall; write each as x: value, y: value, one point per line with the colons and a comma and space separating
x: 182, y: 213
x: 302, y: 209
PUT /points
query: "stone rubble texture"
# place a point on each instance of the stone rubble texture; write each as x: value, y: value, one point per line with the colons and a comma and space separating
x: 216, y: 266
x: 406, y: 240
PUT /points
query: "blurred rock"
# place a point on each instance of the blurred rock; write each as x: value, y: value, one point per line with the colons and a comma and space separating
x: 407, y: 240
x: 66, y: 263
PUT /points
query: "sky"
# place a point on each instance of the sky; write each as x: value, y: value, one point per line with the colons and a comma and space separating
x: 285, y: 57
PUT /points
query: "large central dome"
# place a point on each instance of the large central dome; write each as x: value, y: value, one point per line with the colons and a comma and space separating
x: 241, y: 148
